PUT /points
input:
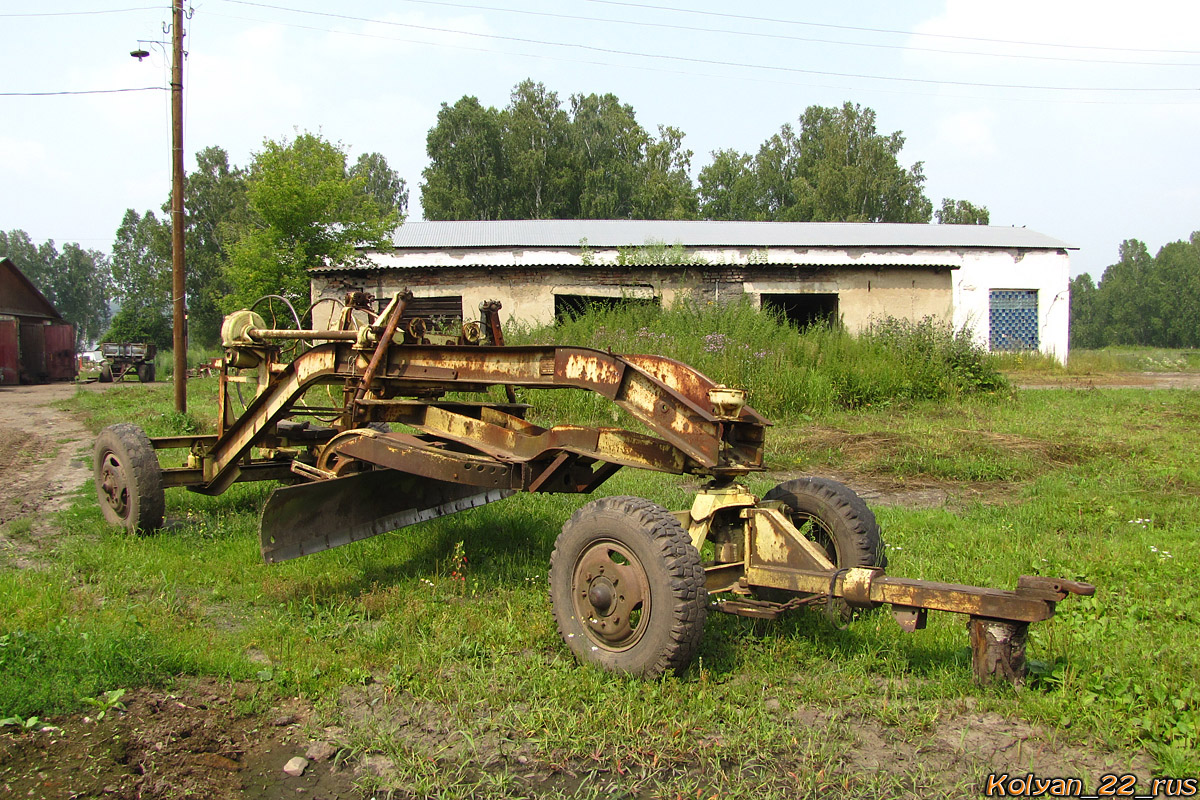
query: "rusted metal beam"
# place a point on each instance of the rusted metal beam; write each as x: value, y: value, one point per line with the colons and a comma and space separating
x: 273, y: 404
x: 261, y: 471
x: 409, y: 454
x: 384, y: 344
x: 613, y: 445
x: 178, y: 442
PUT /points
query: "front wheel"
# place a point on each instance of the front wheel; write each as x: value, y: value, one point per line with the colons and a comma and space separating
x: 106, y: 375
x: 128, y: 479
x: 146, y: 373
x: 628, y: 588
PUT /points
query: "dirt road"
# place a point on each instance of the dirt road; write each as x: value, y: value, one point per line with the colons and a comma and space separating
x: 45, y: 456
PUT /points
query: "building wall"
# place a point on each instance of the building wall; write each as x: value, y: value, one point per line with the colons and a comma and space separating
x: 527, y: 294
x: 1046, y: 271
x: 870, y: 283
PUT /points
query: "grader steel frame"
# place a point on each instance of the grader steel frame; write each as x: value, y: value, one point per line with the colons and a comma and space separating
x: 629, y: 589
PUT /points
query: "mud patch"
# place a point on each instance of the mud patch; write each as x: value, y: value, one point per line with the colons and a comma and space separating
x: 883, y: 490
x: 869, y: 463
x: 406, y: 740
x: 1127, y: 380
x: 191, y: 742
x: 974, y: 743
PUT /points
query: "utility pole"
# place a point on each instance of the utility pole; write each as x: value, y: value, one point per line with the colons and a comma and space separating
x: 179, y: 307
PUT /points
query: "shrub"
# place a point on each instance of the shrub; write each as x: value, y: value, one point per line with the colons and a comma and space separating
x: 788, y: 372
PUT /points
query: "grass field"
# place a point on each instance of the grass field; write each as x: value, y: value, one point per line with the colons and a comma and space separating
x: 1100, y: 485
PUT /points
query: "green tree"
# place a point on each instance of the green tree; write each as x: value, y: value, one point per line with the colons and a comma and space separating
x: 1087, y: 324
x: 1124, y: 295
x: 1175, y: 294
x: 305, y: 211
x: 535, y: 160
x: 728, y: 187
x: 536, y: 153
x: 836, y: 167
x: 606, y: 143
x: 962, y: 212
x: 141, y: 279
x: 1141, y: 299
x: 141, y: 262
x: 466, y: 175
x: 80, y: 290
x: 382, y: 183
x: 215, y: 205
x: 665, y: 190
x: 17, y: 246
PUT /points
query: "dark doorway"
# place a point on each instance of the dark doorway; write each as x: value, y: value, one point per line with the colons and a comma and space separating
x: 803, y: 310
x: 574, y: 305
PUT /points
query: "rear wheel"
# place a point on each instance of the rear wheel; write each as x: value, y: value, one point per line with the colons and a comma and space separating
x: 628, y: 588
x: 128, y: 479
x: 145, y: 373
x: 832, y: 515
x: 106, y: 375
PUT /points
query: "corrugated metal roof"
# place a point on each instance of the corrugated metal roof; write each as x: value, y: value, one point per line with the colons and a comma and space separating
x: 627, y: 233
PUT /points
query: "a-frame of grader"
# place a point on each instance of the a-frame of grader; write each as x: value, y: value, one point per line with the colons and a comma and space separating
x: 629, y: 589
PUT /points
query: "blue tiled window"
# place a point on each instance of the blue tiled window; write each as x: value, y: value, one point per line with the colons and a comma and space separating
x: 1013, y: 318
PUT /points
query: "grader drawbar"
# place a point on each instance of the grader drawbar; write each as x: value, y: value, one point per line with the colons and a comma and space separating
x: 629, y: 587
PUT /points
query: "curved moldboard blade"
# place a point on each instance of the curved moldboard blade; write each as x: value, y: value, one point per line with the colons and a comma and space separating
x: 311, y: 517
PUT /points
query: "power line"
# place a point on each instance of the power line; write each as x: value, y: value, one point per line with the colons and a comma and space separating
x: 712, y: 62
x: 791, y: 38
x: 85, y: 91
x: 83, y: 13
x: 687, y: 73
x: 778, y: 21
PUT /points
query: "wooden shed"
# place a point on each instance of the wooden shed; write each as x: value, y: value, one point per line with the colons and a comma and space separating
x: 36, y: 344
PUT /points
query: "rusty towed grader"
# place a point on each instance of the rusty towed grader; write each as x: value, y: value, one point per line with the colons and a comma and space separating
x: 629, y: 589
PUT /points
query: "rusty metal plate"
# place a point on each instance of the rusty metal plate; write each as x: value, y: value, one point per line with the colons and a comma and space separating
x: 311, y: 517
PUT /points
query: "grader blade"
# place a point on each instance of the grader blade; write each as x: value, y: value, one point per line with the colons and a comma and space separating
x: 311, y: 517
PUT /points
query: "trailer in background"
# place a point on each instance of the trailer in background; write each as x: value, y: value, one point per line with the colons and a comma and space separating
x: 122, y: 359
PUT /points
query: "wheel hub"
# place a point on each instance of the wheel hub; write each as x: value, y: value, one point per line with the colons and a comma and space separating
x: 601, y: 596
x: 113, y: 485
x: 612, y: 595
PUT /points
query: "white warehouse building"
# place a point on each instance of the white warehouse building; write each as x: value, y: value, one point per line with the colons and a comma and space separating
x: 1010, y: 286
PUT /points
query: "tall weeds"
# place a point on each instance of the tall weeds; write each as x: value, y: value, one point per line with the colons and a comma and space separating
x: 789, y: 373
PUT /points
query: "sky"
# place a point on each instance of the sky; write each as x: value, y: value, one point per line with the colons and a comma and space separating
x: 1078, y: 119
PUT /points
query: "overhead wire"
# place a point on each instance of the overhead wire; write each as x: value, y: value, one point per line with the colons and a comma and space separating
x: 691, y: 73
x: 778, y: 21
x: 86, y: 91
x: 706, y: 61
x: 82, y: 13
x: 792, y: 38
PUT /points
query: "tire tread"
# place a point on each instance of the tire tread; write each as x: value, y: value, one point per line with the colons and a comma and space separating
x: 688, y: 597
x: 144, y: 475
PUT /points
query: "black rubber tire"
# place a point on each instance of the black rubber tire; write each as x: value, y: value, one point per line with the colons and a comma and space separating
x: 145, y: 373
x: 106, y: 375
x: 841, y: 523
x: 640, y: 542
x: 129, y: 484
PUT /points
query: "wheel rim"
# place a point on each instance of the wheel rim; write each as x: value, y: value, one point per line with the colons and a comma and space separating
x: 113, y: 486
x: 611, y: 594
x: 813, y: 529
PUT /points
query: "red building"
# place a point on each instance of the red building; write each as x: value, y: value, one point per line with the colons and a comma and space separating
x: 36, y: 344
